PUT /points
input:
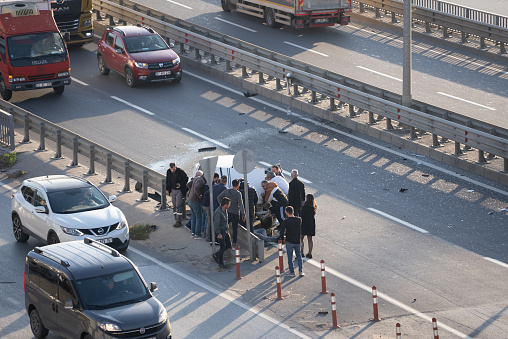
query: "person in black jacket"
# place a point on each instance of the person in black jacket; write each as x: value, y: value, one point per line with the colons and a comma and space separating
x: 176, y: 186
x: 253, y: 200
x: 291, y: 227
x: 308, y: 223
x: 296, y: 193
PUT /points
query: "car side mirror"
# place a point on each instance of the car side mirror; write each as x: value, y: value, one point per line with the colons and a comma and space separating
x: 69, y: 305
x: 41, y: 209
x: 153, y: 287
x: 112, y: 198
x: 171, y: 45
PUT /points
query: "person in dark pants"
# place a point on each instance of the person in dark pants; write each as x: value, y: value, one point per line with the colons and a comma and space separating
x: 176, y: 187
x: 236, y: 211
x: 308, y: 223
x: 220, y: 223
x: 291, y: 227
x: 296, y: 193
x: 253, y: 200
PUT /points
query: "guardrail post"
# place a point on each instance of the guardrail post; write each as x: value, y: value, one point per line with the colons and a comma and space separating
x: 352, y: 111
x: 213, y: 61
x: 389, y: 125
x: 98, y: 16
x: 197, y: 56
x: 261, y: 78
x: 164, y: 202
x: 26, y: 138
x: 58, y: 153
x: 505, y: 165
x: 372, y: 121
x: 295, y: 90
x: 144, y: 195
x: 481, y: 157
x: 75, y: 146
x: 278, y: 85
x: 502, y: 47
x: 91, y: 170
x: 412, y: 133
x: 394, y: 18
x: 378, y: 13
x: 313, y: 97
x: 427, y: 27
x: 111, y: 20
x: 445, y: 32
x: 245, y: 74
x: 435, y: 141
x: 464, y: 37
x: 127, y: 174
x: 362, y: 7
x: 228, y: 66
x: 458, y: 151
x: 42, y: 143
x: 333, y: 106
x: 182, y: 48
x: 10, y: 130
x: 482, y: 43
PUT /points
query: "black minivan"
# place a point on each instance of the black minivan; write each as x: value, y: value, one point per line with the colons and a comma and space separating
x: 84, y: 289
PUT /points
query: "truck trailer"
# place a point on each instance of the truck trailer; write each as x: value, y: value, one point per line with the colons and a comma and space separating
x: 33, y: 54
x: 294, y: 13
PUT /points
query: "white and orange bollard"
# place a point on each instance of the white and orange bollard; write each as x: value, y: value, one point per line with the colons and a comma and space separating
x: 397, y: 331
x: 434, y: 325
x: 237, y: 253
x: 323, y: 278
x: 279, y: 288
x: 334, y: 312
x: 281, y: 257
x: 374, y: 300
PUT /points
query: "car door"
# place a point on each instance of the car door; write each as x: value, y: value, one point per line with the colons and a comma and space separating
x: 108, y: 51
x: 69, y: 320
x: 46, y: 283
x: 40, y: 220
x: 26, y: 207
x: 120, y: 58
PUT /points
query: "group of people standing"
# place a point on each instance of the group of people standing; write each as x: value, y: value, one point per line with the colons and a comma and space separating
x: 293, y: 209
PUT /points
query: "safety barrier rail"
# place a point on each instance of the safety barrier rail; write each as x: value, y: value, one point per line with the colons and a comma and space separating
x: 447, y: 124
x: 6, y: 129
x: 450, y: 17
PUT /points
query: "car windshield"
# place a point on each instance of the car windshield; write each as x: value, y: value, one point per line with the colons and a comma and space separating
x: 145, y: 43
x: 76, y: 200
x: 36, y: 48
x: 113, y: 290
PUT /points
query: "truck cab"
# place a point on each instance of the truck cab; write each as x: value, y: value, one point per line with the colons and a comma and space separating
x: 33, y: 54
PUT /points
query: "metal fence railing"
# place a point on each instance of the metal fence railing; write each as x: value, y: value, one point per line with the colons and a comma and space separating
x: 6, y: 129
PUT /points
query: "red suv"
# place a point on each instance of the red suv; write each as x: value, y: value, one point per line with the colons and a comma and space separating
x: 139, y: 53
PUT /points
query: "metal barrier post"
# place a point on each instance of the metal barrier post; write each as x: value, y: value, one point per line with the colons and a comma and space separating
x: 352, y: 111
x: 58, y: 153
x: 333, y: 106
x: 481, y: 157
x: 261, y: 78
x: 281, y: 258
x: 237, y: 254
x: 435, y: 141
x: 127, y: 174
x: 374, y: 300
x: 244, y: 72
x: 144, y: 195
x: 75, y: 145
x: 397, y: 331
x: 458, y: 151
x: 323, y: 278
x: 278, y: 85
x: 164, y: 202
x: 26, y: 138
x: 228, y: 66
x: 279, y: 288
x: 389, y: 125
x: 42, y: 144
x: 434, y: 325
x: 109, y: 166
x: 505, y: 165
x: 334, y: 311
x: 91, y: 170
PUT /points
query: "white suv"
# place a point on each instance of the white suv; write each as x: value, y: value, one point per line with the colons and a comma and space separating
x: 58, y: 208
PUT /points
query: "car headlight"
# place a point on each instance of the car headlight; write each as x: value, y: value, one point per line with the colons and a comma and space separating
x: 163, y: 315
x: 87, y: 23
x: 141, y: 64
x: 121, y: 224
x: 176, y: 61
x: 71, y: 231
x: 108, y: 327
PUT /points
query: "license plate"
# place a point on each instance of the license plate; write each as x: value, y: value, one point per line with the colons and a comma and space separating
x: 319, y: 21
x: 43, y: 84
x: 162, y: 73
x: 105, y: 241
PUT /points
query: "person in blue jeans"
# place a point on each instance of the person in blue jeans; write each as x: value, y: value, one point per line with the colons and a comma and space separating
x: 291, y: 227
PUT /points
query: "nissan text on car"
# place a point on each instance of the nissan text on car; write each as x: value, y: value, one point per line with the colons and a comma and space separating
x: 139, y: 54
x: 59, y: 208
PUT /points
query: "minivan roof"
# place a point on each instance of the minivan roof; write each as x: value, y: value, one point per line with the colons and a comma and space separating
x: 84, y: 260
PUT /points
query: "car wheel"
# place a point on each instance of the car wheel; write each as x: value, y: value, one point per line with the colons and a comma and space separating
x: 177, y: 79
x: 38, y: 329
x: 129, y: 78
x: 53, y: 239
x: 4, y: 91
x: 225, y: 5
x: 17, y: 228
x: 103, y: 69
x: 59, y: 89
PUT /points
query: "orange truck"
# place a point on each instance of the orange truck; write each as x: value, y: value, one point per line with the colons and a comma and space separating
x: 33, y: 54
x: 295, y: 13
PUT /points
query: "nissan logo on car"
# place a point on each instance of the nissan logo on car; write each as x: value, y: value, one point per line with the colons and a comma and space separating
x: 100, y: 230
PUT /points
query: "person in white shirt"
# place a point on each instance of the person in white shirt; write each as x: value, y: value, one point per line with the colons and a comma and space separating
x: 280, y: 181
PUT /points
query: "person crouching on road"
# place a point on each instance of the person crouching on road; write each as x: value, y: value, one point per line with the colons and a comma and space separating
x: 220, y: 223
x: 291, y: 226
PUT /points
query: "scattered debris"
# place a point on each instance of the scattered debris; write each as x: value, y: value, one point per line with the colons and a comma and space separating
x: 370, y: 173
x: 490, y: 213
x: 414, y: 300
x: 344, y: 217
x: 154, y: 227
x: 470, y: 191
x: 425, y: 175
x: 505, y: 209
x: 323, y: 311
x: 418, y: 155
x: 403, y: 190
x: 282, y: 131
x: 205, y: 149
x: 241, y: 113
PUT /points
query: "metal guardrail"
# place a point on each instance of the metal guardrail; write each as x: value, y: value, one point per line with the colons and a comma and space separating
x: 460, y: 19
x: 7, y: 129
x: 447, y: 124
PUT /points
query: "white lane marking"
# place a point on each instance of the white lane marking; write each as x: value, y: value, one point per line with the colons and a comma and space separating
x: 79, y: 81
x: 391, y: 300
x: 206, y: 138
x: 132, y: 105
x: 224, y: 295
x: 495, y: 261
x: 237, y: 25
x: 14, y: 301
x: 464, y: 100
x: 379, y: 73
x: 363, y: 141
x: 176, y: 3
x: 305, y: 49
x: 7, y: 187
x: 405, y: 223
x: 286, y: 172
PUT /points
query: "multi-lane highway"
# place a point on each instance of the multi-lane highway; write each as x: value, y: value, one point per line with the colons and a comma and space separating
x: 429, y: 235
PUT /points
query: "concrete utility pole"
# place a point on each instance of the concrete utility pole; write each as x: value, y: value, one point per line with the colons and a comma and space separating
x: 407, y: 65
